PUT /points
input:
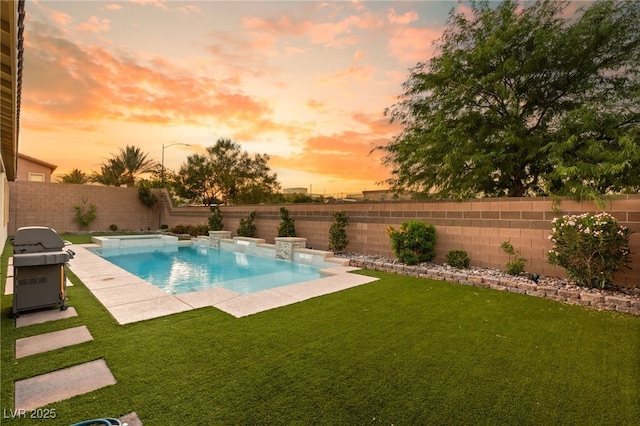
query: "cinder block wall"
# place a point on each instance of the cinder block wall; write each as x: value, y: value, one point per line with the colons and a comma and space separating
x: 476, y: 226
x: 51, y: 204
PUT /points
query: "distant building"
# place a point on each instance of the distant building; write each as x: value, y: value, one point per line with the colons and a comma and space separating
x: 294, y: 191
x: 385, y: 195
x: 34, y: 170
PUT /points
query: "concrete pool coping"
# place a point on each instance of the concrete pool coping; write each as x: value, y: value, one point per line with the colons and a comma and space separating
x: 131, y: 299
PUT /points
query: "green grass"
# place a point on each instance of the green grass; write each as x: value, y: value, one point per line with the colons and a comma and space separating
x: 400, y: 351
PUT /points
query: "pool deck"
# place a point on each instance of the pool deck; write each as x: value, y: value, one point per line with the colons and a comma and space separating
x: 130, y: 299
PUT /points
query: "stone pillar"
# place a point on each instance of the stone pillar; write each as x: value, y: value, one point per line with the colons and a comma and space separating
x: 216, y: 236
x: 285, y: 246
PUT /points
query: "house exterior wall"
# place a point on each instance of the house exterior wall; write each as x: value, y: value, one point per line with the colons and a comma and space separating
x: 476, y: 226
x: 26, y: 167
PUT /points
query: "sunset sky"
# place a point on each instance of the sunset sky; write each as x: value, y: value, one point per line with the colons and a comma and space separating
x: 305, y: 82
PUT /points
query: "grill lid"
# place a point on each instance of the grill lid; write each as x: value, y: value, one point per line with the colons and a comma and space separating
x: 34, y: 239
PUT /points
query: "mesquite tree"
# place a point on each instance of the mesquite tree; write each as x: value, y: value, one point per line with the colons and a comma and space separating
x: 522, y: 100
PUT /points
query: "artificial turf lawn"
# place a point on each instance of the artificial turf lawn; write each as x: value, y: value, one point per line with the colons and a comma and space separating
x: 400, y: 351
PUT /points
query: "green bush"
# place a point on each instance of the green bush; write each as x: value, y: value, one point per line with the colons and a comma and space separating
x: 215, y: 220
x: 247, y: 227
x: 146, y: 197
x: 85, y: 214
x: 113, y: 227
x: 514, y: 266
x: 338, y: 240
x: 413, y: 242
x: 287, y: 227
x: 591, y: 248
x: 458, y: 259
x: 193, y: 230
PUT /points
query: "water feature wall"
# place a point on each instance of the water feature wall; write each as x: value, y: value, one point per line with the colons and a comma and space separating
x: 125, y: 241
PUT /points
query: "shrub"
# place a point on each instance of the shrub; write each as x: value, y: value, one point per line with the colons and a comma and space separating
x: 179, y: 229
x: 458, y: 259
x: 215, y: 220
x: 591, y: 248
x: 193, y: 230
x: 514, y: 266
x: 113, y: 227
x: 146, y: 197
x: 85, y: 214
x: 287, y: 227
x: 413, y: 242
x: 338, y: 240
x: 247, y: 228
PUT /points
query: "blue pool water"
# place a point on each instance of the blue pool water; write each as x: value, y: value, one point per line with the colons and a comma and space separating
x: 184, y: 269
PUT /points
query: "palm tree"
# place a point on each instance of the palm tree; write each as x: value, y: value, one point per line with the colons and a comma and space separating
x: 110, y: 173
x: 134, y: 163
x: 74, y: 176
x: 124, y: 168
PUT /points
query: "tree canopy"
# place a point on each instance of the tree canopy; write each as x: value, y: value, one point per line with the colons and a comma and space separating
x: 75, y: 176
x: 226, y: 174
x: 125, y: 167
x: 522, y: 100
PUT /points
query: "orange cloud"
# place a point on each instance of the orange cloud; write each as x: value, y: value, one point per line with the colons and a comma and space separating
x: 341, y: 156
x: 113, y: 7
x: 316, y: 105
x: 359, y: 74
x: 71, y: 84
x: 344, y: 155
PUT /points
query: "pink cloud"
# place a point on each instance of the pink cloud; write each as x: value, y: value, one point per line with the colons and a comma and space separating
x: 190, y: 8
x: 156, y: 3
x: 94, y: 26
x: 61, y: 18
x: 410, y: 45
x: 403, y: 19
x: 113, y: 7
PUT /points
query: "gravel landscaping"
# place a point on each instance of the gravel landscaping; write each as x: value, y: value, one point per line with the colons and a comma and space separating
x: 620, y: 299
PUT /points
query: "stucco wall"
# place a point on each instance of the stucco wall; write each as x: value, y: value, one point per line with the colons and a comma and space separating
x: 26, y: 167
x: 476, y: 226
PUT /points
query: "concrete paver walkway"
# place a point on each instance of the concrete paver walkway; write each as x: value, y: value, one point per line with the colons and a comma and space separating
x: 56, y: 386
x: 52, y: 341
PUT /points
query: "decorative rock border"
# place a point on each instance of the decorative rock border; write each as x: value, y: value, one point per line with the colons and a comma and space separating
x: 549, y: 288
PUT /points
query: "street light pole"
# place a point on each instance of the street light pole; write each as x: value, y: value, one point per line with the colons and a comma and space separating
x: 162, y: 163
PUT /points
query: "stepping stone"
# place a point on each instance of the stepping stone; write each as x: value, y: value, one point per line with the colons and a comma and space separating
x: 52, y: 341
x: 131, y: 419
x: 8, y: 287
x: 43, y: 316
x: 63, y: 384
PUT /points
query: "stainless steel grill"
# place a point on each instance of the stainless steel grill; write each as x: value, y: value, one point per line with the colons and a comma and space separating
x: 39, y: 276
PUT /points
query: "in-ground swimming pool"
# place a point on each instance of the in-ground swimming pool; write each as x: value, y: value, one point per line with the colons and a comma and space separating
x: 183, y: 269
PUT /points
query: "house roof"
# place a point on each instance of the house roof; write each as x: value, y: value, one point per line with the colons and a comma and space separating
x: 35, y: 160
x: 11, y: 37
